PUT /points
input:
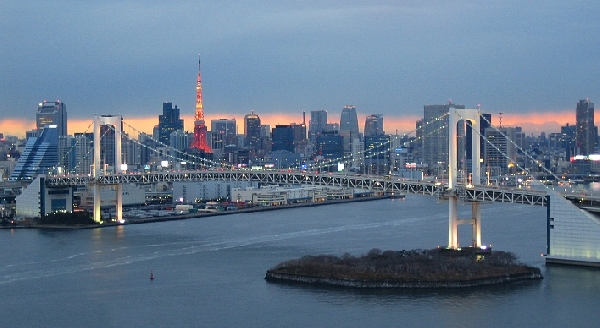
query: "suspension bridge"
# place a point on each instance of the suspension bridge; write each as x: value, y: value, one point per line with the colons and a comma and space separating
x: 451, y: 190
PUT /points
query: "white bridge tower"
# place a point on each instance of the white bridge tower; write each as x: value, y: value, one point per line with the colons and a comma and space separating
x: 116, y: 122
x: 473, y: 116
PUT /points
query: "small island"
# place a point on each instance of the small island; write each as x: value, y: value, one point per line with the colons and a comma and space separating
x: 435, y: 268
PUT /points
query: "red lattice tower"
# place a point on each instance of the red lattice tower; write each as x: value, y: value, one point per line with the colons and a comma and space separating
x: 199, y: 141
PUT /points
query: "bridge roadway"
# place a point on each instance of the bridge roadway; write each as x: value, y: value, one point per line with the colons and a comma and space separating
x: 365, y: 182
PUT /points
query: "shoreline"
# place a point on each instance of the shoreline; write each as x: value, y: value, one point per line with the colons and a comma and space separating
x: 366, y: 283
x: 197, y: 215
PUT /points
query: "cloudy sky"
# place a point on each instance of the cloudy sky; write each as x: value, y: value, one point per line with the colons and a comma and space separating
x: 531, y: 60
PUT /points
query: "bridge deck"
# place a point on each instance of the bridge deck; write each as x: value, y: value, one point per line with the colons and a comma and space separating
x: 364, y: 182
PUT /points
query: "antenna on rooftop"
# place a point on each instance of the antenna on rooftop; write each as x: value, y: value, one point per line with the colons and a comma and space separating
x: 500, y: 118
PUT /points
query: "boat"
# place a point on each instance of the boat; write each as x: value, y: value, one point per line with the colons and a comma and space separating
x: 398, y: 195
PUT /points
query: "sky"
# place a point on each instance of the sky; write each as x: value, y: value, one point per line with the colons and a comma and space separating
x: 530, y: 60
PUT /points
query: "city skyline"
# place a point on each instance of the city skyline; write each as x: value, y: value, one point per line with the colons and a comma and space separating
x: 280, y: 58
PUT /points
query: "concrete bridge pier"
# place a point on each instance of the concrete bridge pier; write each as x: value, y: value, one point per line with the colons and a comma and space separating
x: 454, y: 222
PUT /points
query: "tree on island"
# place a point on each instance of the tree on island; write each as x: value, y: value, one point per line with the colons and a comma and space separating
x: 415, y: 265
x: 73, y: 218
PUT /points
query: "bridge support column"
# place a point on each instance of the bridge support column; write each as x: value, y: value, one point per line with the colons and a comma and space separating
x: 476, y: 213
x: 452, y: 222
x: 97, y: 214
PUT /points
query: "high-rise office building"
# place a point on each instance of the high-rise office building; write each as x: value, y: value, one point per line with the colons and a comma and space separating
x: 168, y: 122
x: 39, y: 156
x: 283, y: 138
x: 329, y: 145
x: 586, y: 132
x: 178, y: 142
x: 223, y: 133
x: 252, y: 132
x: 348, y: 127
x: 84, y: 152
x: 568, y: 141
x: 52, y: 113
x: 66, y: 154
x: 377, y: 154
x: 485, y: 121
x: 374, y: 125
x: 435, y: 136
x: 317, y: 124
x: 349, y: 120
x: 500, y: 150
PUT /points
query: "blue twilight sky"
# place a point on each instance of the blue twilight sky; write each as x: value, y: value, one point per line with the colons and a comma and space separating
x: 389, y: 57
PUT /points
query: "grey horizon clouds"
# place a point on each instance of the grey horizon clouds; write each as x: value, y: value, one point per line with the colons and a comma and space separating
x: 388, y: 57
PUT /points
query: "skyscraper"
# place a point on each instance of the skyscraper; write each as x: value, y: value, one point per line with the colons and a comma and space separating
x: 348, y: 127
x: 168, y: 122
x: 377, y: 154
x: 252, y: 130
x: 435, y: 135
x: 500, y: 150
x: 223, y: 133
x: 349, y: 120
x: 374, y: 125
x: 317, y: 124
x: 52, y: 113
x: 586, y: 132
x: 39, y: 156
x: 283, y: 138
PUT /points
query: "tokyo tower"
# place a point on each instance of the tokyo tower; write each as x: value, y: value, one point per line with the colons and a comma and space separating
x: 199, y: 141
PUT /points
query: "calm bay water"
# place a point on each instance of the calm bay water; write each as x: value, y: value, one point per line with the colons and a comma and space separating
x: 210, y: 272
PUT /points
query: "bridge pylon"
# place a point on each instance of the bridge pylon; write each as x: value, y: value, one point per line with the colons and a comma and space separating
x: 116, y: 122
x: 473, y: 116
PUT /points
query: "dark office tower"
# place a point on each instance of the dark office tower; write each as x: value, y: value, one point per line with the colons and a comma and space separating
x: 485, y: 121
x: 317, y: 124
x: 374, y: 125
x: 283, y: 138
x: 435, y: 135
x: 168, y: 122
x: 52, y: 113
x: 252, y: 131
x: 567, y: 140
x: 349, y: 120
x: 586, y: 135
x: 377, y: 154
x: 329, y: 145
x: 348, y: 127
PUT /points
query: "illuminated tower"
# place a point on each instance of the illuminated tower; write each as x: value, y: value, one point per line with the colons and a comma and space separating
x: 199, y: 126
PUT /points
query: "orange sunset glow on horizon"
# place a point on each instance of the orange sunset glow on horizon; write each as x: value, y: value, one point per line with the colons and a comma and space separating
x: 532, y: 123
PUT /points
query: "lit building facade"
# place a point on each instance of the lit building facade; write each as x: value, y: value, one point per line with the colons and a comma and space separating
x: 252, y: 131
x: 40, y: 155
x: 52, y: 113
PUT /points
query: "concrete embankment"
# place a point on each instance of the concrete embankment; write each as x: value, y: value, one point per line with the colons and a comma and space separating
x: 201, y: 215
